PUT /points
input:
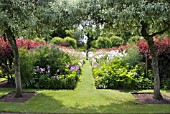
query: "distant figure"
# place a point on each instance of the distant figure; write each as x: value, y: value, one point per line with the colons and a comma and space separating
x: 87, y: 51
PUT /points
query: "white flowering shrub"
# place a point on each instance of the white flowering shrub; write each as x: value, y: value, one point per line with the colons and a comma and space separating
x: 103, y: 56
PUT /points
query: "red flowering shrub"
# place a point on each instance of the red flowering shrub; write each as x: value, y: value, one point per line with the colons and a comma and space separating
x: 120, y: 48
x: 163, y: 46
x: 28, y: 44
x: 6, y: 53
x: 163, y: 58
x: 6, y: 57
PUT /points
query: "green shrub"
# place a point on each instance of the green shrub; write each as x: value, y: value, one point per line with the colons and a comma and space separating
x: 118, y: 74
x: 72, y: 42
x: 116, y: 41
x: 165, y: 83
x: 42, y: 80
x: 93, y: 49
x: 103, y: 42
x: 93, y: 44
x: 134, y: 39
x: 57, y: 40
x: 133, y: 56
x: 53, y: 57
x: 27, y: 61
x: 43, y: 66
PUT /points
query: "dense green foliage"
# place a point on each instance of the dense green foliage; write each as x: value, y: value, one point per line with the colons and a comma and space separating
x: 134, y: 39
x: 103, y: 42
x: 39, y: 40
x: 118, y: 74
x: 116, y: 41
x: 84, y: 99
x: 49, y: 68
x: 93, y: 44
x: 57, y: 40
x: 133, y: 56
x: 71, y: 42
x: 145, y: 17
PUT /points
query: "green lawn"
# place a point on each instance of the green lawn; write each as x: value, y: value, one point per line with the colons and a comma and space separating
x: 84, y: 99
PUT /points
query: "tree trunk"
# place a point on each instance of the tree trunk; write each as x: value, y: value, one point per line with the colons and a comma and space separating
x: 155, y: 67
x: 153, y: 51
x: 157, y: 93
x: 146, y: 65
x: 12, y: 42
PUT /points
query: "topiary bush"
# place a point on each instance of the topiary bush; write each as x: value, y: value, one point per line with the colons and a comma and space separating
x: 103, y: 42
x: 72, y: 42
x: 116, y: 41
x: 57, y: 40
x: 134, y: 39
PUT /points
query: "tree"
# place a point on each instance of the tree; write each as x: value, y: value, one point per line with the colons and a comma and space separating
x: 13, y: 15
x: 18, y: 18
x: 145, y: 17
x: 32, y: 17
x: 66, y: 15
x: 148, y: 18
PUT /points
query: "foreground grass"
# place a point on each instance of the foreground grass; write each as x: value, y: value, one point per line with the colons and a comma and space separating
x: 84, y: 99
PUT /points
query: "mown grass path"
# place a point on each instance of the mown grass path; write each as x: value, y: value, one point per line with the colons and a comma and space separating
x: 86, y: 80
x: 84, y: 99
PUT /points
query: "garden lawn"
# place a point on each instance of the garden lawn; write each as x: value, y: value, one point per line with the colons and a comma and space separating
x: 84, y: 99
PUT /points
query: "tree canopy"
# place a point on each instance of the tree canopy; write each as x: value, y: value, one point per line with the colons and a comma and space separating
x: 142, y: 17
x: 41, y: 17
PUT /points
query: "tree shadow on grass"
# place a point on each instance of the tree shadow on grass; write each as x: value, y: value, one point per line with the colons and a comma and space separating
x: 127, y: 90
x: 4, y: 91
x: 47, y: 104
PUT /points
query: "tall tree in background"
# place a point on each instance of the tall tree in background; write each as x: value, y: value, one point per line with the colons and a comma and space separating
x: 67, y: 16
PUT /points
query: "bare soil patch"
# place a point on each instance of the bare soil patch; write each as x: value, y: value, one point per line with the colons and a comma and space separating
x: 10, y: 97
x: 5, y: 84
x: 147, y: 98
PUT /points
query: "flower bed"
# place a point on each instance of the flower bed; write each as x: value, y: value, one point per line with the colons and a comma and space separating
x: 117, y: 74
x: 47, y: 67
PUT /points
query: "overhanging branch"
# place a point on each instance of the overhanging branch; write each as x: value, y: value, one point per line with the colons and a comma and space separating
x: 161, y: 32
